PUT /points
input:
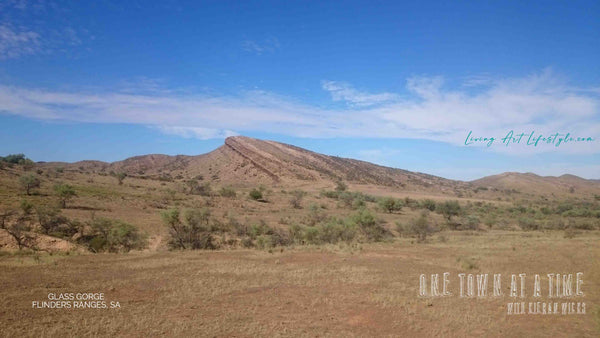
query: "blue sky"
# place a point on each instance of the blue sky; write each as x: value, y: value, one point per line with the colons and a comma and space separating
x: 396, y: 83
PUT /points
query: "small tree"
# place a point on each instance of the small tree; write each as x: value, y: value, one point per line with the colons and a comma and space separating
x: 120, y: 177
x: 449, y: 209
x: 14, y: 158
x: 176, y: 229
x: 194, y: 233
x: 369, y: 225
x: 19, y: 231
x: 125, y: 237
x: 49, y: 219
x: 421, y: 227
x: 197, y: 228
x: 65, y: 193
x: 113, y: 236
x: 192, y: 186
x: 29, y: 181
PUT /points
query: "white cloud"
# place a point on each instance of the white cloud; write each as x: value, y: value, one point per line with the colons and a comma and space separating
x: 25, y: 30
x: 15, y: 42
x: 540, y: 102
x: 267, y: 45
x: 341, y: 91
x: 197, y: 132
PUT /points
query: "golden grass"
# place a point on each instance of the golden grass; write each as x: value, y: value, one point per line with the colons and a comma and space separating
x: 334, y: 290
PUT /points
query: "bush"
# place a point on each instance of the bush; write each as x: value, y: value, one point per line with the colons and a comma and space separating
x: 312, y: 235
x: 448, y: 209
x: 340, y: 186
x: 471, y: 222
x: 113, y: 236
x: 65, y: 193
x: 336, y: 231
x: 421, y: 227
x: 315, y: 215
x: 490, y: 220
x: 346, y: 198
x: 120, y: 177
x: 228, y: 192
x: 296, y: 199
x: 194, y: 233
x: 255, y: 194
x: 331, y: 194
x: 19, y: 231
x: 29, y: 182
x: 370, y: 227
x: 13, y: 158
x: 51, y: 222
x: 390, y: 205
x: 527, y: 224
x: 26, y: 207
x: 428, y: 204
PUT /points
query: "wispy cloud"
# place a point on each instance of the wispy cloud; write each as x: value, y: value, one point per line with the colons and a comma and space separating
x: 341, y: 91
x: 540, y: 102
x: 197, y: 132
x: 26, y: 30
x: 16, y: 42
x: 259, y: 47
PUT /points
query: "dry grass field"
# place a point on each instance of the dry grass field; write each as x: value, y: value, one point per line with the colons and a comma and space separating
x: 331, y: 290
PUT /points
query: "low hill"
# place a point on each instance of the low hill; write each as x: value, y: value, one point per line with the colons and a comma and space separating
x: 248, y: 161
x: 540, y: 185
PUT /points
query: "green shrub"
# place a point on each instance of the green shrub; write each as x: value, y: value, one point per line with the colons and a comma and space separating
x: 471, y: 222
x: 330, y: 194
x: 255, y: 194
x: 193, y: 233
x: 390, y: 205
x: 13, y: 158
x: 340, y: 186
x: 312, y: 235
x: 527, y: 224
x: 490, y: 220
x: 26, y: 207
x: 428, y: 204
x: 315, y: 215
x: 113, y: 236
x: 421, y: 227
x: 370, y: 227
x: 264, y: 242
x: 29, y: 182
x: 448, y: 209
x: 65, y: 193
x: 228, y: 192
